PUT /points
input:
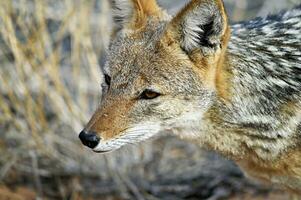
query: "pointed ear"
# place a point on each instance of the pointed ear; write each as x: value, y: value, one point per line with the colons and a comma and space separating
x: 132, y: 13
x: 202, y: 25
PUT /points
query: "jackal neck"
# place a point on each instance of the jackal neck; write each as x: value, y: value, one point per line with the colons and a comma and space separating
x: 262, y: 79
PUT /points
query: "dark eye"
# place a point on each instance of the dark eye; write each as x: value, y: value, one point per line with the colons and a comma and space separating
x: 149, y: 94
x: 108, y: 79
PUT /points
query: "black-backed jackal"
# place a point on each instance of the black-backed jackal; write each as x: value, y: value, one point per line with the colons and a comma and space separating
x: 235, y: 88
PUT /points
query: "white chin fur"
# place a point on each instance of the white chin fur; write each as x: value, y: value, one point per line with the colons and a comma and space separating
x: 104, y: 147
x: 137, y: 133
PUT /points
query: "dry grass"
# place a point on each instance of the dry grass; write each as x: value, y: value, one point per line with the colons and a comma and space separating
x: 44, y: 77
x: 50, y: 57
x: 49, y: 85
x: 34, y: 59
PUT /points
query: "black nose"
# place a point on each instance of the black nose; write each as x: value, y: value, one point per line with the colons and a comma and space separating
x: 89, y: 139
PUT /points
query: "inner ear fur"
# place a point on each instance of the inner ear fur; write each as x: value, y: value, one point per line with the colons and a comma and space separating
x: 201, y: 25
x: 132, y: 14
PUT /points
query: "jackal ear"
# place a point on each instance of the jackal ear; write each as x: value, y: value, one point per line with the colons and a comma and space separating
x: 132, y: 13
x: 203, y: 25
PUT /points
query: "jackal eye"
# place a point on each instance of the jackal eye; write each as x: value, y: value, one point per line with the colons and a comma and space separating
x: 149, y: 94
x: 108, y: 79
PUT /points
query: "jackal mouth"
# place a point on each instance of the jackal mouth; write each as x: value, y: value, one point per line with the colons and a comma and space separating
x: 133, y: 135
x: 107, y: 146
x: 102, y: 151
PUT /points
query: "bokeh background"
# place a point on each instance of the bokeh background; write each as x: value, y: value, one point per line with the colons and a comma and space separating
x: 51, y: 53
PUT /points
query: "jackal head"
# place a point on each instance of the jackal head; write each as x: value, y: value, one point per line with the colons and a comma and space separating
x: 161, y: 74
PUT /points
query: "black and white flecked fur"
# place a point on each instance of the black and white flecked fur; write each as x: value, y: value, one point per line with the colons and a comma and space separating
x: 266, y: 58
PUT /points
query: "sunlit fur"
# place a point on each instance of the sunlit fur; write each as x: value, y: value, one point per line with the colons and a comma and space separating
x: 234, y: 89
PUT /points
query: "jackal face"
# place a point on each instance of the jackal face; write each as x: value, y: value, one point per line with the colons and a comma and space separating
x: 161, y: 73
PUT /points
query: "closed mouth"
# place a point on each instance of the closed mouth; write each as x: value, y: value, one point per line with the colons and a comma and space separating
x: 101, y: 151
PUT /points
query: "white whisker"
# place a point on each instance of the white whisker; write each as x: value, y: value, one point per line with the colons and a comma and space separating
x: 131, y: 135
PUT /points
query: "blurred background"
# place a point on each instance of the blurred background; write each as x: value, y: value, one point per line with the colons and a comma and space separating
x: 51, y: 53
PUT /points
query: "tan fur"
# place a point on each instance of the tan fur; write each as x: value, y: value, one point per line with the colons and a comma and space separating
x: 223, y: 74
x: 281, y: 171
x: 110, y: 119
x: 143, y: 9
x: 146, y: 7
